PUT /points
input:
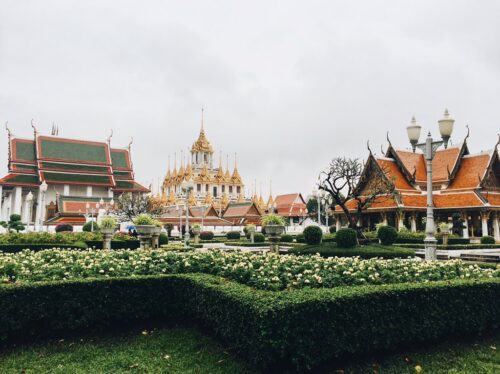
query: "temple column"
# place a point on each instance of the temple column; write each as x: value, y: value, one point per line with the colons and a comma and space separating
x: 89, y: 191
x: 465, y: 217
x: 338, y: 223
x: 110, y: 193
x: 413, y: 222
x: 66, y: 190
x: 484, y: 223
x: 384, y: 218
x: 26, y: 209
x: 496, y: 227
x: 16, y: 209
x: 401, y: 220
x: 38, y: 209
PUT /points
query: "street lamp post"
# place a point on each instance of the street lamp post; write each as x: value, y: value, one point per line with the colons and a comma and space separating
x: 187, y: 189
x: 429, y: 148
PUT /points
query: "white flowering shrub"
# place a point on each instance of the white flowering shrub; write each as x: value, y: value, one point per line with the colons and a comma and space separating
x: 267, y: 272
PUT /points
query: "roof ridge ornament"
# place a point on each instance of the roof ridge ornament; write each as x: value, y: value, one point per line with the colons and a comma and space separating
x: 368, y: 146
x: 468, y: 133
x: 130, y: 143
x: 35, y: 132
x: 109, y: 138
x: 389, y: 140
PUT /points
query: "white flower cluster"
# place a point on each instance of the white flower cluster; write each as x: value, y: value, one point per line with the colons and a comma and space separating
x: 269, y: 271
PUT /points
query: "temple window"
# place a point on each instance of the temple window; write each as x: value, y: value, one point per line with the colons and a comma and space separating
x: 238, y: 189
x: 215, y: 191
x: 206, y: 188
x: 230, y: 189
x: 223, y: 189
x: 198, y: 187
x: 205, y: 157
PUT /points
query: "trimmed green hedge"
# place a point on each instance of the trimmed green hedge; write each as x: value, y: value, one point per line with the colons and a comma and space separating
x: 453, y: 246
x: 367, y: 251
x: 14, y: 248
x: 452, y: 241
x: 273, y: 330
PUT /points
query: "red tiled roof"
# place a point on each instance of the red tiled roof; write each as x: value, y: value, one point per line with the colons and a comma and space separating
x: 471, y: 171
x: 444, y: 160
x: 392, y: 170
x: 414, y: 163
x: 381, y: 202
x: 414, y: 201
x: 289, y: 199
x: 457, y: 200
x: 493, y: 198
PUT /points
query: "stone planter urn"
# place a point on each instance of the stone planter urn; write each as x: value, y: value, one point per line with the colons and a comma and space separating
x: 445, y: 231
x: 107, y: 235
x: 274, y: 233
x: 155, y: 237
x: 145, y: 233
x: 251, y: 231
x: 196, y: 233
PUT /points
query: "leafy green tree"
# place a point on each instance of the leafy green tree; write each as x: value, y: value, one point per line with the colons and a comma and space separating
x: 14, y: 223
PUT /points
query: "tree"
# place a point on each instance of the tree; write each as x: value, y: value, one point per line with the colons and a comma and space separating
x: 130, y: 205
x: 348, y: 181
x: 312, y: 208
x: 14, y: 223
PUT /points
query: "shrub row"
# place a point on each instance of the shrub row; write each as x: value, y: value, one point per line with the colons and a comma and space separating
x: 451, y: 241
x: 115, y: 244
x: 372, y: 251
x: 14, y: 248
x: 453, y: 246
x: 273, y: 330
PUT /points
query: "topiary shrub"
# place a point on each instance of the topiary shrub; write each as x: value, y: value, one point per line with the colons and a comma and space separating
x: 232, y: 235
x: 332, y: 229
x: 64, y: 227
x: 387, y: 235
x: 90, y: 227
x: 169, y: 227
x: 259, y: 238
x: 300, y: 238
x: 487, y: 240
x: 286, y: 238
x: 346, y: 238
x: 313, y: 235
x: 206, y: 235
x: 163, y: 239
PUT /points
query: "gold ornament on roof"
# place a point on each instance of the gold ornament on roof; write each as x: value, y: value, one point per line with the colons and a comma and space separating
x: 202, y: 144
x: 191, y: 198
x: 208, y: 199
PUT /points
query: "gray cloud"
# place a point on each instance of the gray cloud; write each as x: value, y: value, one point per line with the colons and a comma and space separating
x: 287, y: 84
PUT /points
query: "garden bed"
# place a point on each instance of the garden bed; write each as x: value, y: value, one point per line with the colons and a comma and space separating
x: 365, y: 251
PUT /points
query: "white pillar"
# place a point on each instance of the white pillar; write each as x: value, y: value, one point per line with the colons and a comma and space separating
x: 66, y: 190
x: 89, y: 191
x: 26, y: 209
x: 496, y: 227
x: 38, y: 210
x: 16, y: 209
x: 413, y: 222
x: 401, y: 220
x: 466, y: 227
x: 484, y: 221
x: 338, y: 224
x: 110, y: 193
x: 384, y: 219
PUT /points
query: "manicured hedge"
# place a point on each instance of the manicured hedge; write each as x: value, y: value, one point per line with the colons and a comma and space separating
x: 115, y: 244
x: 453, y: 246
x: 273, y: 330
x: 452, y: 241
x: 14, y: 248
x: 368, y: 251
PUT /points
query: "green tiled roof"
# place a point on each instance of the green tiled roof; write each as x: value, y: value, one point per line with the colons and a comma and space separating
x: 124, y: 184
x: 24, y: 150
x: 119, y: 159
x: 122, y: 174
x: 17, y: 166
x: 73, y: 151
x: 78, y: 178
x: 77, y: 167
x: 13, y: 179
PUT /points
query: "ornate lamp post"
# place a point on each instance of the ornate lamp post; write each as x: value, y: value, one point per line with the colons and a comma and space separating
x: 41, y: 216
x: 187, y: 189
x: 179, y: 209
x: 429, y: 148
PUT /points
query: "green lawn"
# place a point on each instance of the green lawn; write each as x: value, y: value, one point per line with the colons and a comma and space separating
x: 365, y: 251
x: 175, y: 350
x: 185, y: 350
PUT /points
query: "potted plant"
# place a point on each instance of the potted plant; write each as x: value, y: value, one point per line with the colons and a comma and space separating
x: 145, y: 226
x: 107, y: 227
x: 250, y: 229
x: 196, y: 229
x: 274, y: 226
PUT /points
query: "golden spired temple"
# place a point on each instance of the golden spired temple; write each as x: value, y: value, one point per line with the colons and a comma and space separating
x: 214, y: 186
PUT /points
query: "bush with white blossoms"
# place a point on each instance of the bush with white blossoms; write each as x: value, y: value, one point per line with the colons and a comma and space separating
x: 267, y: 272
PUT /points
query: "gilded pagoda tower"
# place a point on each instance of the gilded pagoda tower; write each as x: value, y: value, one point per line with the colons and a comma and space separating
x: 212, y: 185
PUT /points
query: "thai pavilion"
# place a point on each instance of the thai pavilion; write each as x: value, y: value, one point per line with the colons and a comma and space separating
x: 464, y: 183
x: 55, y: 180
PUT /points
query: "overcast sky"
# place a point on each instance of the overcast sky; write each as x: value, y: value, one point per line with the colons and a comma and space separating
x: 286, y: 84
